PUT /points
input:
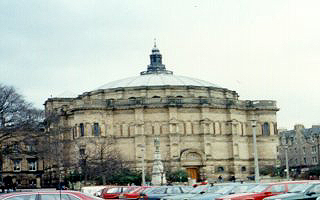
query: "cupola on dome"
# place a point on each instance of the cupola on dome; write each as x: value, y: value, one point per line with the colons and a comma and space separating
x: 157, y: 75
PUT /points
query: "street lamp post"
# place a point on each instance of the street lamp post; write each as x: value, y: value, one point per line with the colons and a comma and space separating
x: 143, y: 173
x: 255, y: 151
x: 287, y: 161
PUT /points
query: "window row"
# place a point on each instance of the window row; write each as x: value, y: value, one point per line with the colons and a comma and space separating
x: 82, y: 129
x: 32, y: 165
x: 79, y: 131
x: 221, y: 169
x: 16, y: 147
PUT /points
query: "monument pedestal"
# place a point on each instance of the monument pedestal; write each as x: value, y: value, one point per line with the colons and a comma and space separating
x: 158, y: 174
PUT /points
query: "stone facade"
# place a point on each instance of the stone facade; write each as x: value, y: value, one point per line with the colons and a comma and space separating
x: 21, y: 162
x: 302, y: 145
x: 204, y: 129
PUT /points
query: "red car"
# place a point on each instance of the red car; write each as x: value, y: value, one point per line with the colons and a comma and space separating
x: 48, y: 195
x: 134, y: 194
x: 263, y: 190
x: 115, y: 191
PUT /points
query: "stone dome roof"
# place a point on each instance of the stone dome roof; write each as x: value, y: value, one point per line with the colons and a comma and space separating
x: 157, y: 79
x: 157, y: 75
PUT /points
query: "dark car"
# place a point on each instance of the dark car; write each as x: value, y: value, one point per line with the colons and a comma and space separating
x: 159, y: 192
x: 48, y: 195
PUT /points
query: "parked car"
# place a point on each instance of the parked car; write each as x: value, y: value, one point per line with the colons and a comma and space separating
x: 225, y: 190
x: 202, y: 189
x: 92, y: 190
x: 264, y: 190
x: 159, y: 192
x: 48, y: 195
x: 115, y: 191
x: 134, y: 194
x: 304, y: 191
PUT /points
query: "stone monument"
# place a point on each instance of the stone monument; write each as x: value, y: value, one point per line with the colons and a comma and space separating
x: 158, y: 174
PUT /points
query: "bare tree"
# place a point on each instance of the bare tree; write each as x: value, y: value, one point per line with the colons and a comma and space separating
x: 99, y: 158
x: 53, y: 148
x: 15, y: 112
x: 20, y: 125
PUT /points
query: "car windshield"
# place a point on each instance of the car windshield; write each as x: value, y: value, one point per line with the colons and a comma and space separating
x: 186, y: 189
x: 258, y: 188
x: 300, y: 188
x: 224, y: 190
x: 113, y: 190
x: 199, y: 189
x: 215, y: 188
x: 242, y: 188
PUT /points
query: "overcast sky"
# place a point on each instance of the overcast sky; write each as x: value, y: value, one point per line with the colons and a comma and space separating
x: 261, y: 49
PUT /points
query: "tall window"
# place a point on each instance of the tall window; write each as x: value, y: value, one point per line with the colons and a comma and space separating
x: 17, y: 165
x: 82, y: 152
x: 32, y: 165
x: 314, y: 149
x: 314, y: 160
x: 15, y: 147
x: 265, y: 129
x: 81, y: 129
x: 96, y: 129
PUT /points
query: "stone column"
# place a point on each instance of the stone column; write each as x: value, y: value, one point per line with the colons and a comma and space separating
x: 158, y: 174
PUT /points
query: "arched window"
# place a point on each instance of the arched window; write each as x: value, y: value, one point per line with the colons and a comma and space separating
x: 265, y: 129
x: 132, y: 100
x: 81, y: 129
x: 243, y: 169
x: 96, y: 129
x: 220, y: 169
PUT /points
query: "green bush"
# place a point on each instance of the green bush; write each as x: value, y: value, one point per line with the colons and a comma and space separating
x: 314, y: 171
x: 267, y: 170
x: 177, y: 176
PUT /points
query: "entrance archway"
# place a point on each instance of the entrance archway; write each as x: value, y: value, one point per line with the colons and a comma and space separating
x: 192, y: 160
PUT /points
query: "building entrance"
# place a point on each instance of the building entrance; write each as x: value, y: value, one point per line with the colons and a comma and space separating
x: 193, y: 173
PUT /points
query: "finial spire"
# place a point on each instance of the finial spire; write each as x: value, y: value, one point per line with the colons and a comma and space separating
x: 155, y: 43
x: 156, y: 66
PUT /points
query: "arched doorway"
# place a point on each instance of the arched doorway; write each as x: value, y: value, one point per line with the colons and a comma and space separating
x: 192, y: 161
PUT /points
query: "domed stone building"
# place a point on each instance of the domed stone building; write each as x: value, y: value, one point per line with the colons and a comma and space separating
x: 202, y: 127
